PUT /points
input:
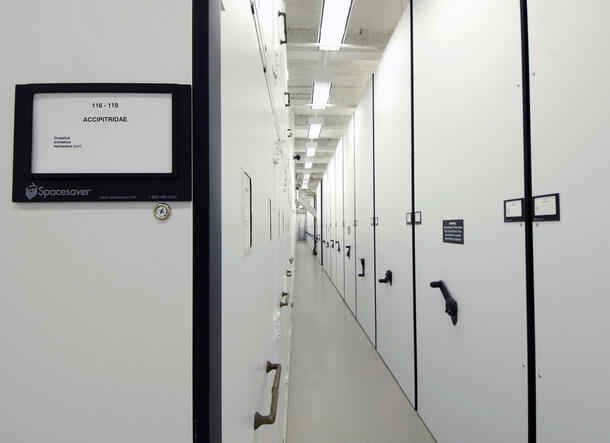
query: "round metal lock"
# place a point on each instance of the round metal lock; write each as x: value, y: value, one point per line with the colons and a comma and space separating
x: 162, y: 211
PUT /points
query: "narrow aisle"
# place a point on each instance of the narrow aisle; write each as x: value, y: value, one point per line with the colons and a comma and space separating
x: 340, y: 390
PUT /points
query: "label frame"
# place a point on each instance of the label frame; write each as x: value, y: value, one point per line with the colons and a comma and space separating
x: 102, y: 187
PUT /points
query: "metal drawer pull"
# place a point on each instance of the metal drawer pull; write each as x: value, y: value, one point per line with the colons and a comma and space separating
x: 259, y: 419
x: 282, y: 303
x: 283, y: 15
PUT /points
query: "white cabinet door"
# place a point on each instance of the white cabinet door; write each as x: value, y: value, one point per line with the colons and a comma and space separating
x: 96, y: 304
x: 365, y: 258
x: 339, y: 241
x: 332, y: 255
x: 392, y: 201
x: 349, y: 215
x: 472, y: 386
x: 319, y: 245
x: 325, y: 222
x: 570, y: 101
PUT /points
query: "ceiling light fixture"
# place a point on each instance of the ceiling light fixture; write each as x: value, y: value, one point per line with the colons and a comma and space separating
x: 335, y: 15
x: 308, y: 165
x: 315, y: 127
x: 320, y: 95
x: 306, y: 178
x: 311, y: 149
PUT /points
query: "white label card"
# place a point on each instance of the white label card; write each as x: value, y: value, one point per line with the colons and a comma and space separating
x: 514, y: 208
x: 546, y: 205
x: 88, y: 133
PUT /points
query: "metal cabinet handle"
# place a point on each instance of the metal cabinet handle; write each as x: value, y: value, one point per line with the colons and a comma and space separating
x: 451, y: 306
x: 283, y: 15
x: 332, y: 244
x: 338, y: 246
x: 349, y: 250
x: 259, y: 419
x: 387, y: 278
x: 284, y: 303
x: 361, y: 264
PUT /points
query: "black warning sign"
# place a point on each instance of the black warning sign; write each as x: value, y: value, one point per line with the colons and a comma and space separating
x: 453, y: 231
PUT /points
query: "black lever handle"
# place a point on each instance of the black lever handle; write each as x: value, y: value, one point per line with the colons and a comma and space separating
x: 361, y: 264
x: 387, y: 278
x: 451, y: 306
x: 349, y: 250
x: 332, y: 244
x: 338, y: 246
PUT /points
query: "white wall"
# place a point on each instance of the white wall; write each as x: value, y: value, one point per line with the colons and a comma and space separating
x: 95, y: 321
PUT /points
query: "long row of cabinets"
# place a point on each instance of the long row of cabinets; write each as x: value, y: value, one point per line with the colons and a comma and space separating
x: 493, y: 336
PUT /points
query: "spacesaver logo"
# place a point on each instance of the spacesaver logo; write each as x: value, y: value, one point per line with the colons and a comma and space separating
x: 33, y: 190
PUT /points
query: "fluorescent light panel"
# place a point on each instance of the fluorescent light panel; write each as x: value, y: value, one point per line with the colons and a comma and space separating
x: 315, y: 128
x: 308, y: 165
x: 334, y: 21
x: 311, y: 149
x: 320, y: 95
x: 306, y: 178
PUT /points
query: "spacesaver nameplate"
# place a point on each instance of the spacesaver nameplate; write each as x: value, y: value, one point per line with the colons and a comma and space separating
x: 102, y: 142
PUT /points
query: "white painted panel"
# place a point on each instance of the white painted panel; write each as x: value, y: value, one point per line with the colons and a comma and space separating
x: 349, y: 216
x: 570, y: 98
x: 340, y: 241
x: 365, y: 286
x: 319, y: 245
x: 255, y: 329
x: 469, y: 155
x: 324, y: 245
x: 96, y: 305
x: 325, y: 221
x: 332, y: 222
x: 392, y: 202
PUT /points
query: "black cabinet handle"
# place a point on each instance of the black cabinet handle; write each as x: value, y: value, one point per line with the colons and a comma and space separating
x: 259, y: 419
x: 286, y: 102
x: 361, y: 264
x: 338, y: 247
x: 283, y: 15
x: 387, y: 278
x: 332, y: 244
x: 451, y: 306
x: 349, y: 250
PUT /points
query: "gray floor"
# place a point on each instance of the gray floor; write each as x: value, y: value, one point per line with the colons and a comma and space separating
x: 340, y: 390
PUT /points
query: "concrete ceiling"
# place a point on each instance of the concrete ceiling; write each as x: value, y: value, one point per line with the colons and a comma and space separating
x: 370, y: 27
